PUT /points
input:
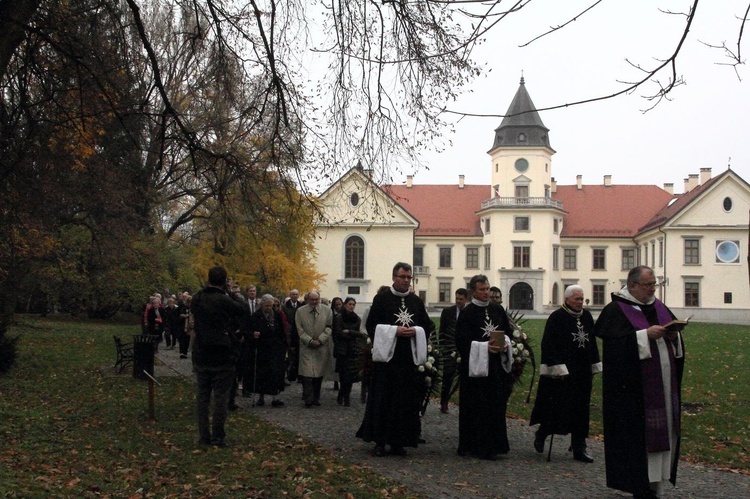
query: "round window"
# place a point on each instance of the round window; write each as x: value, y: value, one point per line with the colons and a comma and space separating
x: 727, y: 204
x: 354, y: 199
x: 522, y: 165
x: 728, y: 252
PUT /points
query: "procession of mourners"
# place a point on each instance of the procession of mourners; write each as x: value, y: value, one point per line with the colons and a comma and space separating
x: 247, y: 346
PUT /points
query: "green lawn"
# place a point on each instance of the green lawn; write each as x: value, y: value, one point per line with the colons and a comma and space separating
x: 70, y: 427
x: 716, y: 394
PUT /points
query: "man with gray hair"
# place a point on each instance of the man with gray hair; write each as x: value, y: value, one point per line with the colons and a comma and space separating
x: 314, y: 325
x: 570, y: 358
x: 641, y: 387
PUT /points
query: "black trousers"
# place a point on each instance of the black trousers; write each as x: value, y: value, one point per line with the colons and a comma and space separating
x: 311, y: 389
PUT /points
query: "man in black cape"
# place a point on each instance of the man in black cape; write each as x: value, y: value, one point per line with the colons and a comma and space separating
x: 643, y: 365
x: 398, y: 325
x: 570, y: 358
x: 484, y: 371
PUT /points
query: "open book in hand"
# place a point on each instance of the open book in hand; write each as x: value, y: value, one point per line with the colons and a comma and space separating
x: 677, y: 325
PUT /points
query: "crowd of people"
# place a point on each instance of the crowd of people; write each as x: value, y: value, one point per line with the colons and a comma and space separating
x: 258, y: 346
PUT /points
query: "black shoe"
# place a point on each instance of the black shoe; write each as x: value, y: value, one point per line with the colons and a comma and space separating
x: 378, y: 451
x: 277, y: 403
x: 204, y: 441
x: 308, y: 404
x: 340, y: 399
x: 183, y: 356
x: 233, y: 407
x: 539, y: 442
x: 260, y: 402
x: 316, y: 403
x: 582, y: 456
x: 218, y: 442
x: 398, y: 451
x: 461, y: 452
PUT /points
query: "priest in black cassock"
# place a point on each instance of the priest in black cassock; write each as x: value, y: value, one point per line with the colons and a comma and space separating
x: 399, y: 326
x: 484, y: 371
x: 570, y: 358
x: 641, y: 384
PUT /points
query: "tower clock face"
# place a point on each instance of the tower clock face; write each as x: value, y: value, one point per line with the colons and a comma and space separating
x: 522, y: 165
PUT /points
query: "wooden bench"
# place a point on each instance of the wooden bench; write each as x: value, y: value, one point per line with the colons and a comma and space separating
x: 124, y: 354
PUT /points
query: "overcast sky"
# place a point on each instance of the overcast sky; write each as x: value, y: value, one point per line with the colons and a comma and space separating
x: 704, y: 124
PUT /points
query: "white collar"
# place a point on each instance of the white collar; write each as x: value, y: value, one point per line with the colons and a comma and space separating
x: 399, y: 293
x: 480, y: 303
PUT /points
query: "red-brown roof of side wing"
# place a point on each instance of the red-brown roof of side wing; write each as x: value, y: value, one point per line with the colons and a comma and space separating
x: 442, y: 210
x: 609, y: 211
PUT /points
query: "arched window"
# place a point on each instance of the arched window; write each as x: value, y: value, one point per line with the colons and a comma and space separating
x: 555, y: 293
x: 354, y: 258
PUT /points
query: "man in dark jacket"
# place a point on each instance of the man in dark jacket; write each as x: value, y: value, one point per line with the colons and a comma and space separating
x: 447, y: 337
x: 217, y: 316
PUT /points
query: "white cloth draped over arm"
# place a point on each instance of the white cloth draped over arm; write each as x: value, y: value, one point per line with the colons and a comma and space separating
x: 479, y: 359
x: 419, y: 346
x: 383, y: 343
x: 507, y: 354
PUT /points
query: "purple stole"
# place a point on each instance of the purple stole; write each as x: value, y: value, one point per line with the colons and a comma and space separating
x: 657, y: 431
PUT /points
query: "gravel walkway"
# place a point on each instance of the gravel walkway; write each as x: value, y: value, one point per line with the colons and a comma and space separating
x: 434, y: 470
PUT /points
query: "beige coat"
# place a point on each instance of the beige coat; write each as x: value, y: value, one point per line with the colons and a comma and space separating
x: 314, y: 361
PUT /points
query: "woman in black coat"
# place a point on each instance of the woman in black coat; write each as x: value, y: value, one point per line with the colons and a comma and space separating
x: 267, y: 348
x: 345, y: 349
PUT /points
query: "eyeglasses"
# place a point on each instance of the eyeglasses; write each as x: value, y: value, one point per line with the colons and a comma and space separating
x: 651, y: 284
x: 406, y: 277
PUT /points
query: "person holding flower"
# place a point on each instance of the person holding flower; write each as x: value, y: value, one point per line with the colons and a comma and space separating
x: 570, y: 358
x: 485, y: 381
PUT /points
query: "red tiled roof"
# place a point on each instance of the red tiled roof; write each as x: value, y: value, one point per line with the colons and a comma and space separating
x: 609, y: 211
x: 442, y: 210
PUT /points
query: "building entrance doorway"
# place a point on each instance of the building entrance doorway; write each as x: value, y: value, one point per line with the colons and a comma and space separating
x: 521, y: 297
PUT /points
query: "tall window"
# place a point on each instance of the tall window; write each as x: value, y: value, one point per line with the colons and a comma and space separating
x: 692, y: 294
x: 472, y: 258
x: 628, y: 258
x: 418, y: 260
x: 661, y: 253
x: 354, y: 258
x: 522, y: 257
x: 555, y: 226
x: 487, y: 255
x: 521, y: 224
x: 597, y: 295
x: 599, y: 259
x: 645, y: 254
x: 522, y: 191
x: 692, y: 251
x: 555, y: 260
x: 569, y: 259
x: 486, y: 225
x: 444, y: 292
x: 445, y: 257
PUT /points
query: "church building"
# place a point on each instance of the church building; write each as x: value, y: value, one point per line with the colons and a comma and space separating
x: 533, y: 238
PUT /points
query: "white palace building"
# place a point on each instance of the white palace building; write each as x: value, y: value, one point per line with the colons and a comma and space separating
x: 532, y: 237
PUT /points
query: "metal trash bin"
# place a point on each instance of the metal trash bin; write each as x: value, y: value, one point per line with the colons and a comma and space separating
x: 143, y: 356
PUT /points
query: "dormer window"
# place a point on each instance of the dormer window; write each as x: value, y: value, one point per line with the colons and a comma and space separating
x: 354, y: 199
x: 522, y: 138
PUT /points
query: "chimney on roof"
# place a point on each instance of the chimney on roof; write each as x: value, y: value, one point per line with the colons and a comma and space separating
x: 579, y: 180
x: 607, y: 180
x: 461, y: 181
x: 669, y: 187
x: 691, y: 182
x: 553, y: 188
x: 705, y: 175
x: 409, y: 181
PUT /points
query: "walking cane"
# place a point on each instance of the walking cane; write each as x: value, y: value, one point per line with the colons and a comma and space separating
x: 549, y: 453
x: 255, y: 373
